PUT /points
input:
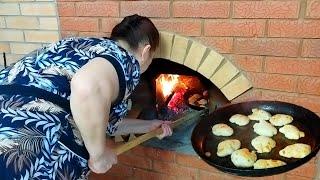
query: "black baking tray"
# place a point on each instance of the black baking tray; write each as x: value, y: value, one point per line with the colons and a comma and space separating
x: 204, y: 141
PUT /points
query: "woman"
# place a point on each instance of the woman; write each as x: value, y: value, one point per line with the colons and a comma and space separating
x: 39, y: 136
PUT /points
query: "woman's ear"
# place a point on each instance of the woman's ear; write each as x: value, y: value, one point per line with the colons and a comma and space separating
x: 146, y: 53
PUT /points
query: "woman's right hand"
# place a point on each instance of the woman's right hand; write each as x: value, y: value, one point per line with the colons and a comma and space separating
x: 165, y: 125
x: 102, y: 163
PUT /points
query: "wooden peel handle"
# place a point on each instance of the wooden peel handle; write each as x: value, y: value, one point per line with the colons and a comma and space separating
x: 135, y: 142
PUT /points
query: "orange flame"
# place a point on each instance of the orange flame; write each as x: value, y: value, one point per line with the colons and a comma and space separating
x: 168, y: 83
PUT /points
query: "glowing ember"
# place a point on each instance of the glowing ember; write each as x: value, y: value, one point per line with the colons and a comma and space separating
x: 170, y: 93
x: 168, y: 83
x: 177, y: 100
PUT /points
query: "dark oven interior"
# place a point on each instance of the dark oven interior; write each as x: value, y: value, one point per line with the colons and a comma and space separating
x: 147, y: 104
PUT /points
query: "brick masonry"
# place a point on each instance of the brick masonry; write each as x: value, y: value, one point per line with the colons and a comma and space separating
x: 26, y: 26
x: 275, y: 43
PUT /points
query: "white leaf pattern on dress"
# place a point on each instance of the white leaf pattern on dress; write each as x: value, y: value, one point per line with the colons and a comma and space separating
x: 56, y: 70
x: 42, y: 106
x: 16, y: 69
x: 6, y: 144
x: 39, y: 152
x: 75, y: 130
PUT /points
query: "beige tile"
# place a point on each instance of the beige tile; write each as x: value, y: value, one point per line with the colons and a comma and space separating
x: 11, y: 35
x: 9, y: 8
x: 179, y: 49
x: 224, y: 74
x: 22, y: 22
x: 12, y: 58
x: 38, y: 9
x: 23, y: 48
x: 1, y: 63
x: 236, y: 87
x: 2, y: 22
x: 41, y: 36
x: 210, y: 64
x: 166, y: 39
x: 15, y: 0
x: 195, y: 55
x: 4, y: 47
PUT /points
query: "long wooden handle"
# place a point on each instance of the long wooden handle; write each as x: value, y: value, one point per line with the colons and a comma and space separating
x: 135, y: 142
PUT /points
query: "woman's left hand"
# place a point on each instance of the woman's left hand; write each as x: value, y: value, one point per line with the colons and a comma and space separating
x: 165, y: 125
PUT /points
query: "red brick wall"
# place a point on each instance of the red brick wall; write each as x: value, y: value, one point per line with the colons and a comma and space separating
x: 144, y: 163
x: 277, y: 44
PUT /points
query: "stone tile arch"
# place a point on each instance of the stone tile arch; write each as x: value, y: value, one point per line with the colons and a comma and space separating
x: 208, y: 62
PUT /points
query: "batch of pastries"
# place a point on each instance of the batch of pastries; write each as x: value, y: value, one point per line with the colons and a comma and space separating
x: 262, y: 143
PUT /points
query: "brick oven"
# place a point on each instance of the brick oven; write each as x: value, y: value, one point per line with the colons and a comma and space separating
x: 247, y: 50
x: 179, y: 55
x: 185, y: 58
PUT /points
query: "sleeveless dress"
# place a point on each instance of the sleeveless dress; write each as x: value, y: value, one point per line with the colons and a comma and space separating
x: 38, y: 136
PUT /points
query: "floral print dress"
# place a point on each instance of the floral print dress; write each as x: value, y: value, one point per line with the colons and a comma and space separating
x: 38, y: 136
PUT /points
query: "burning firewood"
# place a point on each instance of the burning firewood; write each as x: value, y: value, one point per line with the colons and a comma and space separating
x: 202, y: 102
x: 176, y: 94
x: 192, y: 99
x: 177, y: 100
x: 199, y: 100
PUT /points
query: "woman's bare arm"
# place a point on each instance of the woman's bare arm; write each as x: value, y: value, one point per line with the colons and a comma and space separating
x: 138, y: 126
x: 93, y: 88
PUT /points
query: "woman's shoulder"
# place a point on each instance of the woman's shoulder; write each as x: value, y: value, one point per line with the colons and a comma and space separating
x: 79, y: 40
x: 85, y: 45
x: 75, y: 39
x: 105, y: 42
x: 94, y: 47
x: 106, y: 46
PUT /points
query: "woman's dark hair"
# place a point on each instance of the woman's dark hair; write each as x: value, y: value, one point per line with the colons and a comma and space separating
x: 136, y: 30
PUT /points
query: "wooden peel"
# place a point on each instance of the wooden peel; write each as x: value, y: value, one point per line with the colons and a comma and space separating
x: 135, y: 142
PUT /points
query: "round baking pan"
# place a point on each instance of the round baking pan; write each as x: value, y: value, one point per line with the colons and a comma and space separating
x: 204, y: 142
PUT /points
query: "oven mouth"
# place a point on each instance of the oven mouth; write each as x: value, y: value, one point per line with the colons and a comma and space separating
x: 145, y: 105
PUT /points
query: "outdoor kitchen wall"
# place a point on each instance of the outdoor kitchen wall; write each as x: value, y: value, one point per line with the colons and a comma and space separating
x: 26, y: 25
x: 276, y: 43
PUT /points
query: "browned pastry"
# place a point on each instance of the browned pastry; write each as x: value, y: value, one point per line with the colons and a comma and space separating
x: 227, y: 147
